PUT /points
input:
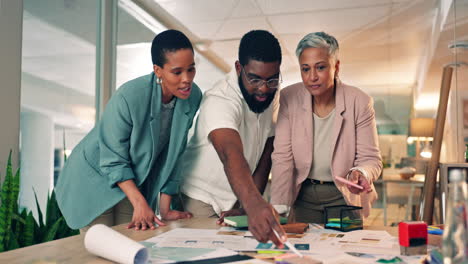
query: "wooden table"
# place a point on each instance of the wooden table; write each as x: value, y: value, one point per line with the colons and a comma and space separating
x: 72, y: 250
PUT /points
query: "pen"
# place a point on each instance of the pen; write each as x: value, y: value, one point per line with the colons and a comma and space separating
x: 434, y: 230
x: 287, y: 243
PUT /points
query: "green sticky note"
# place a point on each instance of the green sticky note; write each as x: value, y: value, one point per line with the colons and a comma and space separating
x: 242, y: 220
x: 393, y: 260
x: 269, y: 252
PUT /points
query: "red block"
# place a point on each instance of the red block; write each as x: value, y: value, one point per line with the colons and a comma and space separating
x: 412, y: 234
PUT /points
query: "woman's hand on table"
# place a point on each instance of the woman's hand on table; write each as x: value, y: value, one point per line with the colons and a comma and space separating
x: 175, y: 215
x: 144, y: 217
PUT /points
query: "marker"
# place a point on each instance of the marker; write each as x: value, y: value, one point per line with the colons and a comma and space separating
x: 287, y: 243
x: 269, y: 252
x: 360, y: 255
x: 345, y: 181
x: 434, y: 230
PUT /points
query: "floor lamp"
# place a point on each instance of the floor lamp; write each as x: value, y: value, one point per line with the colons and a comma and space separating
x: 421, y: 129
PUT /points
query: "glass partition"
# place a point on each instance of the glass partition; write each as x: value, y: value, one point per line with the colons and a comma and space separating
x: 456, y: 43
x: 58, y: 89
x: 136, y: 30
x: 58, y: 80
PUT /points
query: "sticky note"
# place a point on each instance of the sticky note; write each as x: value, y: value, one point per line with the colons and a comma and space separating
x: 302, y: 246
x: 264, y: 245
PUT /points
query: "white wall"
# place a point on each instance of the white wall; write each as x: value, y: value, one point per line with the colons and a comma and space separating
x: 455, y: 132
x: 11, y: 21
x: 37, y: 160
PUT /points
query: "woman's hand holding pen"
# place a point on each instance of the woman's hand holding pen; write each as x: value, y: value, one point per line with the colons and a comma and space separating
x: 358, y: 178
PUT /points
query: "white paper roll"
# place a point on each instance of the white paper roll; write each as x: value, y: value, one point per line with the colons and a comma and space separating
x: 105, y: 242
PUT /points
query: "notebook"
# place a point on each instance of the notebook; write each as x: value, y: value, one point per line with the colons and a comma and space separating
x: 242, y: 221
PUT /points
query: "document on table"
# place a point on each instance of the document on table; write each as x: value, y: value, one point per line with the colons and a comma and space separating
x: 204, y: 238
x: 330, y: 246
x: 166, y: 255
x: 370, y: 241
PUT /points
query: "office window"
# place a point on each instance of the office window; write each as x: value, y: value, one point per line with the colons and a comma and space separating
x: 135, y: 32
x: 58, y: 88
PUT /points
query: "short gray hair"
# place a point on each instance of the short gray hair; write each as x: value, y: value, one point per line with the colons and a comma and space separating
x: 318, y: 40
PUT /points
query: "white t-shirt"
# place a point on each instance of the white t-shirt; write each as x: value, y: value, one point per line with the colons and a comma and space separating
x: 223, y: 106
x: 322, y: 158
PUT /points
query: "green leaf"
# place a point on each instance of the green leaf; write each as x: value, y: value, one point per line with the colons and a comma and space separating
x: 74, y: 232
x: 8, y: 193
x: 64, y: 230
x: 13, y: 241
x: 17, y: 218
x: 50, y: 235
x: 3, y: 224
x: 53, y: 212
x: 64, y: 147
x: 19, y: 227
x: 15, y: 186
x: 39, y: 211
x: 28, y: 234
x: 39, y: 229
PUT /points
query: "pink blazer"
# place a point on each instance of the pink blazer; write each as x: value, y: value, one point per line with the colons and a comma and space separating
x: 354, y: 143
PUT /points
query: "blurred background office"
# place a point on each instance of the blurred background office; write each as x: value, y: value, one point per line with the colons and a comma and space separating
x: 60, y: 61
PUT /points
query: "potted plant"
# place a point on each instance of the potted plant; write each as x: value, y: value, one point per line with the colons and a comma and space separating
x: 18, y: 228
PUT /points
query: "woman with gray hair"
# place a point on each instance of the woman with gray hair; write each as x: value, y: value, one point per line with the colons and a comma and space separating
x: 326, y: 130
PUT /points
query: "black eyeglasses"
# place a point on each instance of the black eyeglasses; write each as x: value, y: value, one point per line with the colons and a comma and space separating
x: 257, y: 83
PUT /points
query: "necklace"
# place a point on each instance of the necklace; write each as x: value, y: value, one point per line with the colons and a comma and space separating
x: 323, y: 111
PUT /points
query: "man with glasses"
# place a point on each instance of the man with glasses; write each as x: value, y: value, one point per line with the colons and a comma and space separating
x: 228, y: 159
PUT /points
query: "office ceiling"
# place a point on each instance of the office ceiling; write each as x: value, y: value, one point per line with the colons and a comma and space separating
x: 382, y: 41
x: 389, y: 47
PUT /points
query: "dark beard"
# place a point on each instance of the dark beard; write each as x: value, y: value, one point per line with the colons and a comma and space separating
x: 254, y: 105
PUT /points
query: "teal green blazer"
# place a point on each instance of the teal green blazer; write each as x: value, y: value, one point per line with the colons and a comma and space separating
x: 122, y: 146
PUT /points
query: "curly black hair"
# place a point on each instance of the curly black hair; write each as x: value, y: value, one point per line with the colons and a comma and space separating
x: 259, y: 45
x: 168, y: 41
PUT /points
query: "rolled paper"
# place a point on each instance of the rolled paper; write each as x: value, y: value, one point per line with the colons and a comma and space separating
x: 105, y: 242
